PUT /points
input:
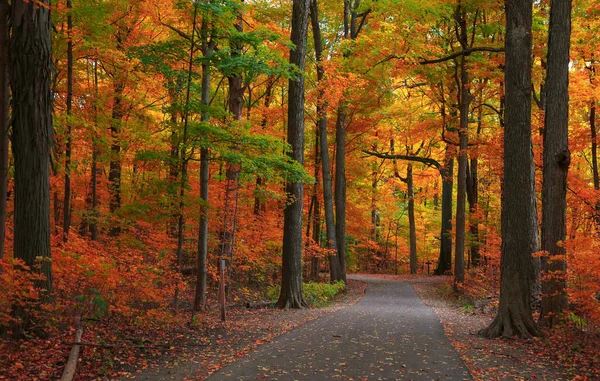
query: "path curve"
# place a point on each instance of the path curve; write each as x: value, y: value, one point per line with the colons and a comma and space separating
x: 390, y: 334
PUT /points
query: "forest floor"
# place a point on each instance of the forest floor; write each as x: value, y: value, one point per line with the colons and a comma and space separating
x: 211, y: 344
x: 567, y: 353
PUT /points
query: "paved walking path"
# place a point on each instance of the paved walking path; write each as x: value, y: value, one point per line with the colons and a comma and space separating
x: 390, y: 334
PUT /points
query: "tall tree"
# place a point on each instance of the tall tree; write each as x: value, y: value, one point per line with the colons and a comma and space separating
x: 334, y: 263
x: 207, y: 46
x: 291, y: 274
x: 68, y: 138
x: 464, y: 101
x: 556, y: 164
x: 30, y: 62
x: 518, y: 198
x: 4, y: 102
x: 411, y: 219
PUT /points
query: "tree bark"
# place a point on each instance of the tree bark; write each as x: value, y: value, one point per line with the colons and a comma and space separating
x: 444, y: 264
x: 464, y: 101
x: 340, y: 190
x: 95, y: 154
x: 68, y: 138
x: 30, y: 62
x: 4, y: 102
x: 334, y: 262
x: 411, y: 219
x: 556, y: 164
x: 518, y: 206
x: 291, y: 277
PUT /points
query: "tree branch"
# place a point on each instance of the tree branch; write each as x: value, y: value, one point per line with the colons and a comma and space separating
x: 424, y: 160
x: 464, y: 52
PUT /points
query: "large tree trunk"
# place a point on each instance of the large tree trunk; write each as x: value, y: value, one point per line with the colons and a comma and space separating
x: 30, y: 62
x: 67, y: 193
x: 556, y: 164
x: 518, y: 207
x: 4, y: 101
x: 334, y: 263
x: 411, y: 219
x: 444, y: 264
x: 291, y: 274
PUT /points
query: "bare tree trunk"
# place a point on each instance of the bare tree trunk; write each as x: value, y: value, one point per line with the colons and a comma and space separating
x: 67, y: 193
x: 4, y: 102
x: 556, y: 165
x: 411, y: 219
x: 30, y: 62
x: 291, y: 277
x: 518, y: 207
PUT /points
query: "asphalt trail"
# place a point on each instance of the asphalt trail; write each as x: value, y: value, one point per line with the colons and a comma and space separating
x: 390, y: 334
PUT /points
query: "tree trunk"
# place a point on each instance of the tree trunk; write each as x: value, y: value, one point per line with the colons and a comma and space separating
x: 313, y: 264
x: 67, y: 193
x: 201, y: 286
x: 95, y: 154
x: 594, y: 139
x: 411, y: 219
x: 340, y: 190
x: 464, y: 101
x: 518, y: 207
x: 556, y: 164
x: 445, y: 260
x: 114, y: 173
x: 30, y: 62
x: 291, y: 268
x: 4, y: 101
x: 183, y: 155
x: 334, y: 262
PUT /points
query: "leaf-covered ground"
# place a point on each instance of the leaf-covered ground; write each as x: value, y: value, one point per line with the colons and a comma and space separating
x: 224, y: 343
x: 567, y: 353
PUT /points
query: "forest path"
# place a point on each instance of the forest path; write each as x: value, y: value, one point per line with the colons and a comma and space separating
x: 389, y: 334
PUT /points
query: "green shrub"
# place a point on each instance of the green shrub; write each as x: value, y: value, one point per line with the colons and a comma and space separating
x: 315, y: 294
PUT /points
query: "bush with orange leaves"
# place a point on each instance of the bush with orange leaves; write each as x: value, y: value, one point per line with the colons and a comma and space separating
x: 125, y: 278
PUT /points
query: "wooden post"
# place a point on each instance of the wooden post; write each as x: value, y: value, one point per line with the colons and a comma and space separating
x: 222, y: 264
